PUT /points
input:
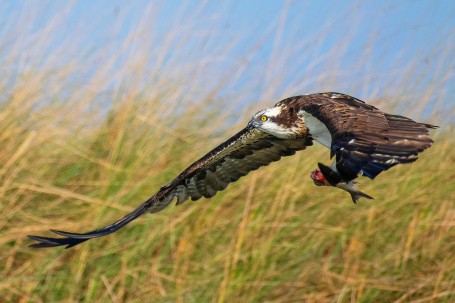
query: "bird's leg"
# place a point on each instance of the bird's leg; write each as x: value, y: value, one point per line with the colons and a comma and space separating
x: 330, y: 174
x: 326, y: 176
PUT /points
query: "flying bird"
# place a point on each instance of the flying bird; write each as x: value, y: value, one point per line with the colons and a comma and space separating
x: 362, y: 139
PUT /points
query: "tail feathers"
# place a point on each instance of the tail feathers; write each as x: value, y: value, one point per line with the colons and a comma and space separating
x: 359, y: 194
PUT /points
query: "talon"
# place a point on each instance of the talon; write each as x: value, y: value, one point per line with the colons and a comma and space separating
x: 318, y: 178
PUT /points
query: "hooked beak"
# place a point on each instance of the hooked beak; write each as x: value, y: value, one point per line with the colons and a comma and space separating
x: 252, y: 124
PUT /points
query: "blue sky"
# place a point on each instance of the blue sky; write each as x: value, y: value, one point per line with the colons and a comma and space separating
x: 293, y: 43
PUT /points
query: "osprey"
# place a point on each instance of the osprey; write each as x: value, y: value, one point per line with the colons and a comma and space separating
x: 362, y: 139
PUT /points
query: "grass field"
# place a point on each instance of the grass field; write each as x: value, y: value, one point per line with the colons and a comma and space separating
x: 273, y: 237
x: 76, y: 157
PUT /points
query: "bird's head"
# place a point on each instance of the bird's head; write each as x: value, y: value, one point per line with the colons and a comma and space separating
x: 281, y: 121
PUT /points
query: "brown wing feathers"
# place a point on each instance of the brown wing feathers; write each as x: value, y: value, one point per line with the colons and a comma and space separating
x: 367, y: 141
x: 259, y: 151
x: 246, y: 151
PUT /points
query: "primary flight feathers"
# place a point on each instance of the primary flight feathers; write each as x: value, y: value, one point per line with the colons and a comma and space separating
x: 363, y: 140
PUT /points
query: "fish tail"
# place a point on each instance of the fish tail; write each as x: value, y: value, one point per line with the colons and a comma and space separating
x: 359, y: 194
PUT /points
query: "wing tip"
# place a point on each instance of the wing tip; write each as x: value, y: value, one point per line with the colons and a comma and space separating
x: 73, y: 239
x: 45, y: 242
x: 430, y: 126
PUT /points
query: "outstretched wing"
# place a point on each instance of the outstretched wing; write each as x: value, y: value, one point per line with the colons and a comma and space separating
x: 366, y: 140
x: 246, y: 151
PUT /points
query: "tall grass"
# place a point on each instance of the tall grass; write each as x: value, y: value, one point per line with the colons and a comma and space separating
x: 80, y: 149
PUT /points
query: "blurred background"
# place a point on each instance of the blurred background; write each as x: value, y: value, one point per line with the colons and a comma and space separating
x: 103, y: 102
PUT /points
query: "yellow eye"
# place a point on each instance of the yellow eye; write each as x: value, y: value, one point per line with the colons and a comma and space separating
x: 264, y: 118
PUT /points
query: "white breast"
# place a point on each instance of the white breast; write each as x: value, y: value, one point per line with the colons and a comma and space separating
x: 317, y: 129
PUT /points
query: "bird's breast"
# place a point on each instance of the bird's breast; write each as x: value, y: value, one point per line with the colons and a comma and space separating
x: 316, y: 129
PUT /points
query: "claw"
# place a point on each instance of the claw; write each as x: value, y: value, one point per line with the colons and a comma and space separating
x: 320, y: 179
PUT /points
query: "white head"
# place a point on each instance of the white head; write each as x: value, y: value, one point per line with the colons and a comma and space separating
x: 280, y: 121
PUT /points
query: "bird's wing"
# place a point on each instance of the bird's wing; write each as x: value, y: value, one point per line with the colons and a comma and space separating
x: 366, y: 140
x: 246, y: 151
